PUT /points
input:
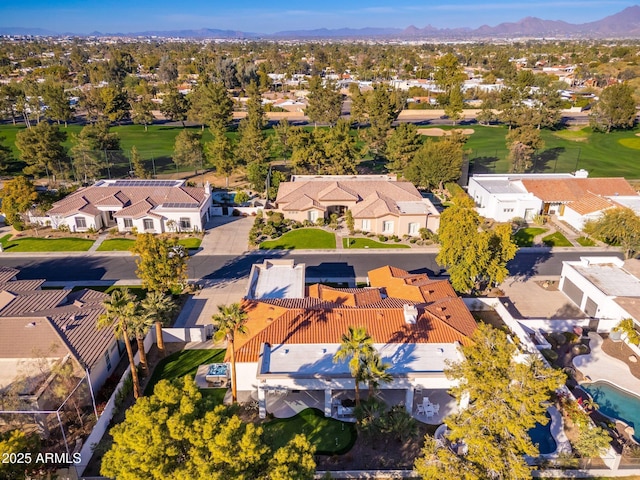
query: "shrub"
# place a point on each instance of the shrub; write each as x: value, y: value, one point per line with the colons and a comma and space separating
x: 570, y: 336
x: 382, y: 238
x: 241, y: 197
x: 559, y: 338
x: 61, y: 228
x: 236, y: 212
x: 413, y: 240
x: 518, y: 222
x: 307, y: 223
x: 550, y: 355
x: 320, y: 222
x: 396, y: 238
x: 276, y: 218
x: 268, y: 230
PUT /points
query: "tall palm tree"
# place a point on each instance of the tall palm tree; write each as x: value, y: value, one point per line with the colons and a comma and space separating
x: 374, y: 372
x: 356, y: 346
x: 159, y: 307
x: 139, y: 325
x: 230, y: 321
x: 120, y: 308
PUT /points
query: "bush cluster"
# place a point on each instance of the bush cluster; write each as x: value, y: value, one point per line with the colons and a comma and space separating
x: 270, y: 226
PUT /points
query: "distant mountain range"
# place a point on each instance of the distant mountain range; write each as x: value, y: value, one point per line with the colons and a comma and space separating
x: 624, y: 24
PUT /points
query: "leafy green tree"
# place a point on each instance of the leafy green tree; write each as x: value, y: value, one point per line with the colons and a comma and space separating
x: 253, y: 144
x: 6, y: 155
x: 472, y: 256
x: 454, y: 105
x: 325, y: 102
x: 506, y: 397
x: 358, y: 112
x: 220, y: 153
x: 523, y: 142
x: 187, y: 150
x: 141, y: 111
x: 294, y: 461
x: 9, y: 94
x: 617, y: 226
x: 19, y: 442
x: 402, y: 145
x: 139, y: 170
x: 448, y: 73
x: 175, y: 106
x: 161, y: 262
x: 210, y: 104
x: 158, y: 306
x: 615, y: 109
x: 547, y: 107
x: 349, y: 221
x: 91, y: 147
x: 628, y: 328
x: 120, y: 308
x: 381, y: 112
x: 283, y: 132
x: 115, y: 102
x: 592, y: 441
x: 41, y: 148
x: 436, y: 162
x: 18, y: 196
x: 375, y: 372
x: 231, y: 321
x: 356, y: 346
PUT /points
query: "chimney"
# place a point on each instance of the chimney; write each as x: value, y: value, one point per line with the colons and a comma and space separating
x: 410, y: 314
x: 207, y: 188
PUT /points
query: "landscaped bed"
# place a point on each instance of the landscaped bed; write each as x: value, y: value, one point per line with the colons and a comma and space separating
x: 329, y: 436
x: 368, y: 243
x: 32, y: 244
x: 303, y: 238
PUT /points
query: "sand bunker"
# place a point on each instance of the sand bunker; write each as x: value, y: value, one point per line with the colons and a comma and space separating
x: 438, y: 132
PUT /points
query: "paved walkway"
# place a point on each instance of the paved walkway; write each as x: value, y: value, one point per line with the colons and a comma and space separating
x: 597, y: 365
x: 101, y: 238
x: 200, y: 307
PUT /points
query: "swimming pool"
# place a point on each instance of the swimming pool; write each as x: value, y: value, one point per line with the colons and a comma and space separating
x: 541, y: 435
x: 615, y: 403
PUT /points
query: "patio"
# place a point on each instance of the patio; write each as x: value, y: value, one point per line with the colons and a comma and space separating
x: 442, y: 405
x: 287, y: 403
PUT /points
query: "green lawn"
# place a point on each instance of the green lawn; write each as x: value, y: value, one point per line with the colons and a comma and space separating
x: 585, y: 241
x: 328, y: 435
x: 185, y: 362
x: 32, y: 244
x: 524, y: 237
x: 303, y: 238
x: 123, y: 244
x: 368, y: 243
x: 137, y: 290
x: 556, y: 240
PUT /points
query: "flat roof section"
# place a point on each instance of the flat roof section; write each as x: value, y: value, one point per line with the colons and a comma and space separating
x: 610, y: 279
x: 309, y: 360
x: 276, y: 279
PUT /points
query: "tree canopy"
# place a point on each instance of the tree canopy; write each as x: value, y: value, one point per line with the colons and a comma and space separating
x: 436, y: 162
x: 162, y: 262
x: 617, y: 226
x: 18, y: 195
x: 178, y: 433
x: 615, y: 108
x: 41, y: 148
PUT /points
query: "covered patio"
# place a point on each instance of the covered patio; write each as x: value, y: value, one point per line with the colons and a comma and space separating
x: 287, y: 403
x: 432, y: 406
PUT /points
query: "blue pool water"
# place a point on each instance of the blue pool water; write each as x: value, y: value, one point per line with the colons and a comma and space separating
x: 615, y: 403
x: 541, y: 435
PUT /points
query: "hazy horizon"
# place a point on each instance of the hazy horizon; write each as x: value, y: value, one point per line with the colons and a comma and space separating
x: 117, y: 16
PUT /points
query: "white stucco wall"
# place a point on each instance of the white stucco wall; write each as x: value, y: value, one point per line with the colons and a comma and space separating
x: 502, y: 207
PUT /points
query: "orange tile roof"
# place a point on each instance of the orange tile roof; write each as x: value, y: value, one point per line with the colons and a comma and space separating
x: 573, y: 189
x: 324, y: 315
x: 590, y: 203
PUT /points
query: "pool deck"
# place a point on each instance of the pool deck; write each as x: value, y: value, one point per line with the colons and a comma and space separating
x: 557, y: 431
x: 597, y: 365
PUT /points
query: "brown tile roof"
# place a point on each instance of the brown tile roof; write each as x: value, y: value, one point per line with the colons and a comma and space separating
x: 107, y: 195
x: 573, y: 189
x: 27, y: 303
x: 30, y: 337
x: 303, y: 203
x: 8, y: 273
x: 326, y: 313
x: 376, y: 205
x: 21, y: 285
x: 137, y: 210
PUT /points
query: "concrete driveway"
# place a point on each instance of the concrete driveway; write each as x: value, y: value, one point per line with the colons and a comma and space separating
x: 227, y: 235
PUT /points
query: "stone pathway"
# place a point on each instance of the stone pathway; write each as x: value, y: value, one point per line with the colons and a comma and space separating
x: 101, y: 238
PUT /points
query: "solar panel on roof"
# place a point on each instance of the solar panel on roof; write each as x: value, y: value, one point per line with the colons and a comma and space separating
x: 146, y: 183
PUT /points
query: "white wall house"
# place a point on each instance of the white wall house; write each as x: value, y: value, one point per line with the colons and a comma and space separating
x: 603, y: 289
x: 153, y: 206
x: 502, y: 197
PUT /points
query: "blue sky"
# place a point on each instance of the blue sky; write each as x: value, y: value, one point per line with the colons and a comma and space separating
x: 84, y: 16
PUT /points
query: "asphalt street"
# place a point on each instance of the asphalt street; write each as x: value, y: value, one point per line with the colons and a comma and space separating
x: 318, y: 265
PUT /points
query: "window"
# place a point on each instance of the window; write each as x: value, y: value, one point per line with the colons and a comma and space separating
x: 108, y: 360
x: 81, y: 222
x: 413, y: 229
x: 507, y: 210
x: 387, y: 226
x: 185, y: 223
x: 148, y: 224
x: 128, y: 223
x: 366, y: 225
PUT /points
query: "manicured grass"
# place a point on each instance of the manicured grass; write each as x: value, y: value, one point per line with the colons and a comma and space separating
x: 328, y: 435
x: 124, y: 244
x: 116, y: 244
x: 185, y: 362
x: 556, y: 240
x: 633, y: 143
x: 585, y: 241
x: 32, y: 244
x: 524, y: 237
x: 573, y: 135
x: 367, y: 243
x: 304, y: 238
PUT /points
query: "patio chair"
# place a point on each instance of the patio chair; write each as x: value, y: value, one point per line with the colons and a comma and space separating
x: 436, y: 407
x: 430, y: 413
x: 420, y: 409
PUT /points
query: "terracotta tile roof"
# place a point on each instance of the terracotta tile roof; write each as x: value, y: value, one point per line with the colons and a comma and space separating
x: 573, y: 189
x: 336, y: 192
x: 376, y: 205
x: 326, y: 313
x: 108, y: 195
x: 630, y: 304
x: 590, y: 203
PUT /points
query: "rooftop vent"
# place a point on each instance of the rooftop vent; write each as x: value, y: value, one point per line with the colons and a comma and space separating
x: 582, y: 173
x: 30, y: 325
x: 410, y: 314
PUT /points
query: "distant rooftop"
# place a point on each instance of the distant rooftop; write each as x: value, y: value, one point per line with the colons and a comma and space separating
x: 276, y: 279
x: 343, y: 178
x: 610, y: 277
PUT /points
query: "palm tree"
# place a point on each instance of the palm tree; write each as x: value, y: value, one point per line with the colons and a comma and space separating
x: 158, y: 306
x: 139, y: 326
x: 230, y: 321
x: 357, y: 346
x: 374, y: 372
x: 120, y: 308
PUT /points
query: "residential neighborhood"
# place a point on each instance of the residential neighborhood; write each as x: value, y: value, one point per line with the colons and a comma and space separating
x: 320, y: 253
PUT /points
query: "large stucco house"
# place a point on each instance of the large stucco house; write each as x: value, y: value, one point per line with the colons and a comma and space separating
x: 573, y: 198
x: 152, y: 206
x: 417, y: 324
x: 379, y: 203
